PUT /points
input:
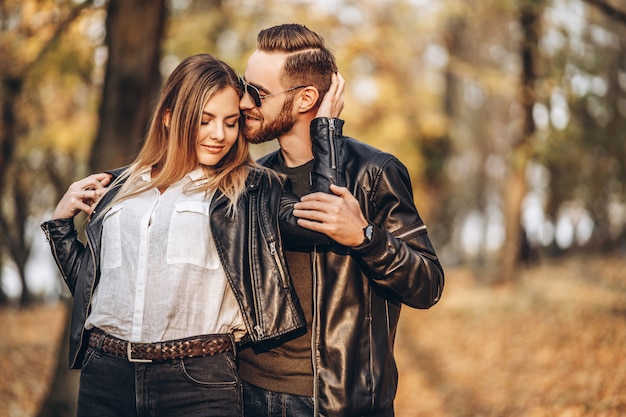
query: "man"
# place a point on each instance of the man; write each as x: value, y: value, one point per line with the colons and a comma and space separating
x: 351, y: 290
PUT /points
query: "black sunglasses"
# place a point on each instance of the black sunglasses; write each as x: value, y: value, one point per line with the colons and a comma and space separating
x: 257, y: 96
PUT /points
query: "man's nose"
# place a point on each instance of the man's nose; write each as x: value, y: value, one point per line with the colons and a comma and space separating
x: 246, y: 102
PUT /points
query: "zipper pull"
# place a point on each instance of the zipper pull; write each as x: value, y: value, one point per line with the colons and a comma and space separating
x: 47, y: 232
x: 273, y: 248
x: 259, y: 331
x: 331, y: 123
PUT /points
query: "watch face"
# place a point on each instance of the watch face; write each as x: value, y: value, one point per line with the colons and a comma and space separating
x: 368, y: 231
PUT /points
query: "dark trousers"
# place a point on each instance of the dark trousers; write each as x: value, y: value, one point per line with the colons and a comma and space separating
x: 203, y: 386
x: 262, y: 403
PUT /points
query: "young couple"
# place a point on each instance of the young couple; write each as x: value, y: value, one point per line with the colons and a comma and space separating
x: 203, y: 269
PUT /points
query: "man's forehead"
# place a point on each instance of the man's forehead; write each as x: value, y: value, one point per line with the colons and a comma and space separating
x: 264, y: 67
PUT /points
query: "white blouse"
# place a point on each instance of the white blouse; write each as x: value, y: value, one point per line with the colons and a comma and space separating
x: 161, y: 277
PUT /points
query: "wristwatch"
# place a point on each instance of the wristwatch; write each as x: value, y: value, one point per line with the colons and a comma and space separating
x: 368, y: 232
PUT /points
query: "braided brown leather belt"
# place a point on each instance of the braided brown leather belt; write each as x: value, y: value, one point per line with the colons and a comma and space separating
x: 197, y: 346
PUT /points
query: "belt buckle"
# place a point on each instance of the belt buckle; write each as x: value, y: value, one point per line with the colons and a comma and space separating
x: 129, y: 355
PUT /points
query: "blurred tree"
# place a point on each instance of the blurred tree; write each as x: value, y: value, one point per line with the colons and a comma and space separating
x: 609, y: 133
x: 483, y: 110
x: 609, y: 9
x: 39, y: 76
x: 583, y: 142
x: 13, y: 224
x: 23, y: 55
x: 514, y: 185
x: 570, y: 73
x: 134, y: 32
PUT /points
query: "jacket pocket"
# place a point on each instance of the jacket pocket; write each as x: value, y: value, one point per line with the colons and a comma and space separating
x: 189, y: 238
x: 111, y: 248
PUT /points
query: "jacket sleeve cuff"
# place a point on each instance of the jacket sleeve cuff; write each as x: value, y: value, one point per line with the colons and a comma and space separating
x: 322, y: 123
x: 374, y: 248
x: 58, y: 228
x: 328, y: 146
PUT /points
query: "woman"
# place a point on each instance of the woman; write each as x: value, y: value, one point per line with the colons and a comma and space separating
x: 184, y: 258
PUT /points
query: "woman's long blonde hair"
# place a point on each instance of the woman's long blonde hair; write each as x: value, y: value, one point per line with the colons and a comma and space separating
x: 169, y: 150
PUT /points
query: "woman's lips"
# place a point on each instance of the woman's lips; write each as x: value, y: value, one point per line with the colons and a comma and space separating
x: 213, y: 148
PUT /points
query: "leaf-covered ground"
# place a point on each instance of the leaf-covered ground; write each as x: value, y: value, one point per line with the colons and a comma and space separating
x: 28, y: 342
x: 552, y: 345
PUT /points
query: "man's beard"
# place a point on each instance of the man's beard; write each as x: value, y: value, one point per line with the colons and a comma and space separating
x: 274, y: 129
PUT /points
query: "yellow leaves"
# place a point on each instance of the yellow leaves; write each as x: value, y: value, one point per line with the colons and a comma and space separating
x: 433, y: 125
x: 75, y: 138
x: 34, y: 23
x: 56, y: 106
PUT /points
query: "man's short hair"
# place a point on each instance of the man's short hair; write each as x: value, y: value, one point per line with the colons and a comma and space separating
x: 309, y: 61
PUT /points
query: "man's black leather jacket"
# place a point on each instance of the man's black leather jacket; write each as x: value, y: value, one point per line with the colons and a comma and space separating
x: 249, y: 245
x: 358, y: 291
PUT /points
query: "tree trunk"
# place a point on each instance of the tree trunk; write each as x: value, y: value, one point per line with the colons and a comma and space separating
x: 515, y: 190
x: 515, y: 183
x: 14, y: 215
x: 609, y: 10
x: 134, y: 32
x: 10, y: 90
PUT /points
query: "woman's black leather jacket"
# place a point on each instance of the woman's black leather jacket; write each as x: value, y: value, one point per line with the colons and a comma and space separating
x: 249, y: 245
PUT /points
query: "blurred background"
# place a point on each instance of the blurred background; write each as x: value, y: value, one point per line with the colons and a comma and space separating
x: 509, y: 114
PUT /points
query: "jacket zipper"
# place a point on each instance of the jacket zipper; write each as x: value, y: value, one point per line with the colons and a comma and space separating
x: 93, y: 284
x: 257, y: 327
x: 371, y: 341
x: 333, y: 156
x: 279, y: 265
x: 314, y: 326
x: 272, y: 239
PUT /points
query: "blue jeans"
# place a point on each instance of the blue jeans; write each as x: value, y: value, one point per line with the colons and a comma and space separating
x: 202, y: 386
x: 262, y: 403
